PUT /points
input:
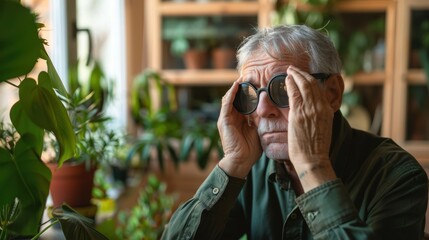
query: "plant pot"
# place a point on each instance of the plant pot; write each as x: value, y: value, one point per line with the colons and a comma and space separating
x: 195, y: 59
x: 223, y: 58
x: 71, y: 184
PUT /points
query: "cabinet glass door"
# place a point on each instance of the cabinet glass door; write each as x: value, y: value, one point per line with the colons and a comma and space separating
x: 417, y: 108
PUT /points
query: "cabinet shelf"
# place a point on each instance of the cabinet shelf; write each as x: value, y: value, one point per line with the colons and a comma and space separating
x: 371, y: 78
x: 416, y: 77
x: 209, y: 8
x: 201, y: 77
x: 226, y: 77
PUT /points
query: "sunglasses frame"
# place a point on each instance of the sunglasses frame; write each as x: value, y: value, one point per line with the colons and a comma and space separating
x: 319, y: 76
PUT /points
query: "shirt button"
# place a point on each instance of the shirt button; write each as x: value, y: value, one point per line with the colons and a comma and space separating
x: 311, y: 216
x: 215, y: 190
x: 293, y: 216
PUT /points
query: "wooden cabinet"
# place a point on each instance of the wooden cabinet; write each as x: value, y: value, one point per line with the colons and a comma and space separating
x: 410, y: 101
x: 372, y: 80
x: 255, y: 13
x: 395, y: 95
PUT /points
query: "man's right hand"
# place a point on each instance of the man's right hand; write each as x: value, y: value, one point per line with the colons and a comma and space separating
x: 239, y: 139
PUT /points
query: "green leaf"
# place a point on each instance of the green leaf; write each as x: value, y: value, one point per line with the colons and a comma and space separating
x: 173, y: 155
x: 145, y: 153
x: 159, y: 151
x: 54, y: 77
x: 76, y: 226
x: 19, y: 42
x: 24, y: 125
x: 199, y: 147
x: 95, y: 82
x: 24, y: 176
x: 186, y: 147
x: 45, y: 109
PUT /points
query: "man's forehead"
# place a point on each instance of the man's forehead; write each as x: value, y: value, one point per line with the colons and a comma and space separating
x: 258, y: 76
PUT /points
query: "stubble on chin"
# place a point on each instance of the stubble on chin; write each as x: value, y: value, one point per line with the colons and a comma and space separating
x: 274, y: 149
x: 277, y: 151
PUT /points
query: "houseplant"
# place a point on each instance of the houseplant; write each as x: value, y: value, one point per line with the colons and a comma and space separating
x: 166, y: 130
x: 160, y: 125
x: 146, y: 220
x: 190, y: 39
x: 73, y: 182
x: 23, y: 176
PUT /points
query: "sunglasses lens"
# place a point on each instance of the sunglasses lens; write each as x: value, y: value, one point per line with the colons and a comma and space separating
x: 246, y: 99
x: 278, y: 91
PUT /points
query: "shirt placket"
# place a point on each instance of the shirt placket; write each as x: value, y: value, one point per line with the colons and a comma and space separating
x: 293, y: 226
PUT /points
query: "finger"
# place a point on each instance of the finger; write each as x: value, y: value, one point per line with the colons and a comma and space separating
x: 228, y: 99
x: 303, y: 85
x: 293, y: 92
x: 314, y: 83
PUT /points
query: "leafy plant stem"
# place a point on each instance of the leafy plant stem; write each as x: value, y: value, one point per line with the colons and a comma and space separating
x: 11, y: 83
x: 46, y: 228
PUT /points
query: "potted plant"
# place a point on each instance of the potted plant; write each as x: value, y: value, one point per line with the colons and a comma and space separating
x: 24, y: 177
x: 160, y: 125
x: 190, y: 40
x: 73, y: 182
x: 165, y: 130
x: 223, y: 56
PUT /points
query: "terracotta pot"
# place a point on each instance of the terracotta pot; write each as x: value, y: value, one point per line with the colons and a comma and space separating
x: 223, y: 58
x: 71, y: 184
x: 195, y: 59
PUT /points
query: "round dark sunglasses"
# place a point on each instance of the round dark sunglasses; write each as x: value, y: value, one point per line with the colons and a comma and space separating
x: 247, y: 97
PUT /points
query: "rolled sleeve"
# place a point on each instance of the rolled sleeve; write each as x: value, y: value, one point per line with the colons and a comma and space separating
x: 326, y: 207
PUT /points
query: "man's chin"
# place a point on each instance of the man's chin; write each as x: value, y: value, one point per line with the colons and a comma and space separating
x: 278, y: 151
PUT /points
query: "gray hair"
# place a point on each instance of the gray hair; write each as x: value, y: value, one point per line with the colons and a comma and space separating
x: 295, y: 40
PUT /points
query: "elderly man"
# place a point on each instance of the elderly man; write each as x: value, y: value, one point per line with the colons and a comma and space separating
x: 293, y: 167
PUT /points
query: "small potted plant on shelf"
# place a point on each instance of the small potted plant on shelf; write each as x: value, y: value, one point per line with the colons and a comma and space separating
x: 190, y: 39
x: 223, y: 56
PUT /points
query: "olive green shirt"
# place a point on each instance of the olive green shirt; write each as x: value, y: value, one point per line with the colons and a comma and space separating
x: 381, y: 193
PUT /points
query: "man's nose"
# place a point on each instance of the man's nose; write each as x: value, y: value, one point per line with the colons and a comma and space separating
x: 265, y: 106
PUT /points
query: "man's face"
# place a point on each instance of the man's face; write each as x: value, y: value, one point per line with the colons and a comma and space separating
x: 272, y: 121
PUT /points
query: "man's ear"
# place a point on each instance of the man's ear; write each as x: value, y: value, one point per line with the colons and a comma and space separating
x: 335, y: 87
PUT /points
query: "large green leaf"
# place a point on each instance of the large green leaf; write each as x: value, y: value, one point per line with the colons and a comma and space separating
x: 24, y: 176
x: 76, y: 226
x: 45, y: 109
x: 23, y: 125
x: 20, y: 45
x: 55, y: 78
